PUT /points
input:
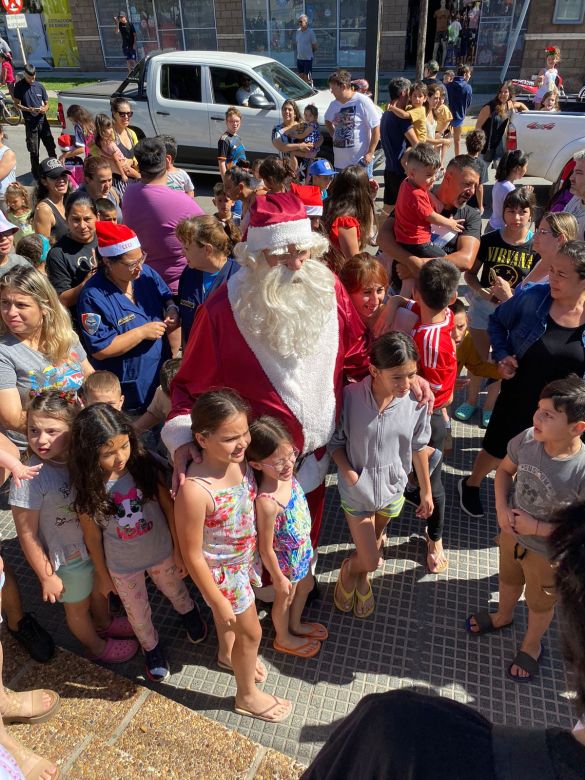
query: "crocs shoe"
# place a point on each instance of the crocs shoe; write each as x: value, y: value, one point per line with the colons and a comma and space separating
x: 194, y: 625
x: 465, y: 412
x: 119, y: 628
x: 116, y: 651
x: 485, y: 418
x: 157, y: 666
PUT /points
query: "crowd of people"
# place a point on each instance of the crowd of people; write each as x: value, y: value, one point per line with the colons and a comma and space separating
x: 175, y: 385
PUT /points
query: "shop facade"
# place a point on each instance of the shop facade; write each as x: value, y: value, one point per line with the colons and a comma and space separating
x: 49, y: 38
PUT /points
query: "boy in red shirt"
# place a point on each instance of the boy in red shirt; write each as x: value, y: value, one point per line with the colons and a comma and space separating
x: 417, y: 208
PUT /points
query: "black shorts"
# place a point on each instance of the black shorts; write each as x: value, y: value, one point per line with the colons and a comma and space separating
x: 511, y: 416
x: 305, y: 66
x: 129, y: 53
x: 392, y: 182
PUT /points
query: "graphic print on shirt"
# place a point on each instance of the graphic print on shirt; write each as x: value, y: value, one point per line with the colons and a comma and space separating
x: 70, y: 515
x: 129, y: 514
x: 534, y: 490
x: 344, y: 135
x: 66, y: 377
x: 507, y: 262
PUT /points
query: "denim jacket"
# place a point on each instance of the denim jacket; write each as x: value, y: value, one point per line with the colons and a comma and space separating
x: 518, y: 323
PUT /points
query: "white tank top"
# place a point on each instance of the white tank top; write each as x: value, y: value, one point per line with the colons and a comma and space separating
x: 11, y: 177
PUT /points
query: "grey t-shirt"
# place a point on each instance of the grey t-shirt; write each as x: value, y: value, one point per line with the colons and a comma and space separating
x: 12, y: 260
x: 50, y: 493
x: 29, y: 370
x: 138, y: 536
x: 543, y: 484
x: 305, y: 40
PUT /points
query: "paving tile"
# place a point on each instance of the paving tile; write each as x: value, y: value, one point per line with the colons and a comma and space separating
x: 55, y: 740
x: 275, y: 766
x: 100, y: 760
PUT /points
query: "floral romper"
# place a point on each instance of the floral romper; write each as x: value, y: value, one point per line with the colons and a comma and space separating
x: 292, y: 534
x: 229, y: 541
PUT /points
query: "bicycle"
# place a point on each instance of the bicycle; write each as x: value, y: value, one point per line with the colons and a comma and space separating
x: 9, y: 113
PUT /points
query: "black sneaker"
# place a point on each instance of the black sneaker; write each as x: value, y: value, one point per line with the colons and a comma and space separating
x: 412, y: 495
x: 34, y: 638
x: 469, y: 499
x: 157, y: 666
x: 195, y: 626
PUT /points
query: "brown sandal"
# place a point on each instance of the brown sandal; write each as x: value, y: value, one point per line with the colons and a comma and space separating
x: 11, y: 714
x: 25, y: 758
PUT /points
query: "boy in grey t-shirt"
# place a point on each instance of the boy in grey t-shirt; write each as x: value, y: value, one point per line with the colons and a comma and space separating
x: 543, y: 471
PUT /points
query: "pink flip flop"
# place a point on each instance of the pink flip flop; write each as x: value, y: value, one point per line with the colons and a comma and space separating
x: 116, y: 651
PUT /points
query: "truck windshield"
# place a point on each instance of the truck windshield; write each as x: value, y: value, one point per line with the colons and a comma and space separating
x: 284, y: 81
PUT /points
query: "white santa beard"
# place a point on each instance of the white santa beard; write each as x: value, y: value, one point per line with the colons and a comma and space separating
x: 287, y: 309
x: 305, y: 383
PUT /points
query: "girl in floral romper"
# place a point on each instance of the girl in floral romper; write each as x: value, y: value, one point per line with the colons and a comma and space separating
x: 284, y: 528
x: 214, y: 515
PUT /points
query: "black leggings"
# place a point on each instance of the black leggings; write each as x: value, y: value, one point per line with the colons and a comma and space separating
x: 436, y: 521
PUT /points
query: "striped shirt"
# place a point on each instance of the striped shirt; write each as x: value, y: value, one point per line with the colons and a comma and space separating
x: 438, y: 358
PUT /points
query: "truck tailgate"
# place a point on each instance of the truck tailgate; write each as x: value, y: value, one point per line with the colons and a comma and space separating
x: 102, y: 89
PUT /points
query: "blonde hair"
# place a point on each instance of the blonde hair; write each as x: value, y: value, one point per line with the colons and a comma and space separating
x: 57, y: 335
x: 101, y: 382
x: 206, y: 230
x: 16, y: 188
x: 562, y: 225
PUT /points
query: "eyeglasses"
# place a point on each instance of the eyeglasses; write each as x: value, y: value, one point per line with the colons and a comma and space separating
x: 136, y: 264
x: 281, y: 464
x: 287, y: 257
x: 544, y: 232
x: 129, y: 114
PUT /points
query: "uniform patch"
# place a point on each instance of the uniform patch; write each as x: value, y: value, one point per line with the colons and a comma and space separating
x: 91, y: 322
x: 126, y: 319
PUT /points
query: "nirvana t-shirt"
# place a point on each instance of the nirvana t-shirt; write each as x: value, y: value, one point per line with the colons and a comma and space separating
x: 510, y: 261
x: 447, y: 238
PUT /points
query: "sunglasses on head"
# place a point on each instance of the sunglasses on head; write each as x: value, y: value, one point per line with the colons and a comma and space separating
x: 126, y: 113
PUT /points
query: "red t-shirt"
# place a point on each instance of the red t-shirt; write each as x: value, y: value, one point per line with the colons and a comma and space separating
x: 438, y: 358
x: 7, y: 72
x: 412, y: 206
x: 343, y: 222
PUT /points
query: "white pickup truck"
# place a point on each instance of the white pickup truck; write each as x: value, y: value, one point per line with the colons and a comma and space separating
x: 186, y: 93
x: 551, y: 138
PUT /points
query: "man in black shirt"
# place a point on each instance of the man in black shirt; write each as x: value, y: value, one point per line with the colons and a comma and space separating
x: 32, y: 99
x: 128, y: 33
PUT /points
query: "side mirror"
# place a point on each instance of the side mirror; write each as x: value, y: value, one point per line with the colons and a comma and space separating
x: 260, y: 101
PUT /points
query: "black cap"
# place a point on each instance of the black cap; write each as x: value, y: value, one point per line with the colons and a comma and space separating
x: 51, y: 168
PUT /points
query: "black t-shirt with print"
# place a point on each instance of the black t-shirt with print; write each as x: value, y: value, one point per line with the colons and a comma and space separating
x: 69, y: 262
x: 510, y: 261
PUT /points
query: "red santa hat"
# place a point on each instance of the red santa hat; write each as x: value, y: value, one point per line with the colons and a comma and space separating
x: 311, y: 197
x: 114, y: 240
x: 277, y: 220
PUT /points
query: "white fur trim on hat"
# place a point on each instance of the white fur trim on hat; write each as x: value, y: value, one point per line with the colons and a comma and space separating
x: 113, y: 250
x: 278, y: 235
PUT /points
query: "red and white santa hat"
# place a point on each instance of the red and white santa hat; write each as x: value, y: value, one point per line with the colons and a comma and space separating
x: 277, y: 220
x: 311, y: 197
x: 114, y: 240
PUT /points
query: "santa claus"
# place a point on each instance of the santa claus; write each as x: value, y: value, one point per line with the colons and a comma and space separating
x: 283, y: 333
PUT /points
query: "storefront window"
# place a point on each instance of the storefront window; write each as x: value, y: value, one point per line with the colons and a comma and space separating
x: 569, y: 12
x: 256, y: 29
x: 48, y: 39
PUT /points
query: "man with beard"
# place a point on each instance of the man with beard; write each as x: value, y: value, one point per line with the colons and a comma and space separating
x: 283, y: 333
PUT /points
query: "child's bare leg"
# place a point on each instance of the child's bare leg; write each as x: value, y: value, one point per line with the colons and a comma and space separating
x: 365, y: 557
x: 282, y: 622
x: 303, y: 588
x: 473, y: 389
x: 244, y: 655
x: 226, y: 639
x: 509, y: 597
x: 457, y: 140
x: 99, y: 610
x: 538, y: 623
x: 11, y: 601
x: 82, y: 627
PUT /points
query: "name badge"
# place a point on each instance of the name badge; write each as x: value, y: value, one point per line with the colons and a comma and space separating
x: 187, y: 304
x: 126, y: 319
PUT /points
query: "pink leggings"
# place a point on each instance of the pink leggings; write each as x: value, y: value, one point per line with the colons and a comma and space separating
x: 132, y: 591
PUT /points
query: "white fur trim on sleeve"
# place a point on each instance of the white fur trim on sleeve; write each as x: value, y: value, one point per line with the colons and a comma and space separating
x: 177, y: 432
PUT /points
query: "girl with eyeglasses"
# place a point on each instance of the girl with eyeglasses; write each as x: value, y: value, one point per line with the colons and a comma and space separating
x: 284, y: 533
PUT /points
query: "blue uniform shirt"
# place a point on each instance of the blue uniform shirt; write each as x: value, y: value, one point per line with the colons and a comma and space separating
x: 104, y: 312
x: 195, y: 287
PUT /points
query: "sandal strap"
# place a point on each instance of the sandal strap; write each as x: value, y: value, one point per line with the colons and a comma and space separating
x: 16, y: 701
x: 526, y: 662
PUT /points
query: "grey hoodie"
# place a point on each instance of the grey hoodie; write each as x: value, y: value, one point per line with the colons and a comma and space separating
x: 378, y: 444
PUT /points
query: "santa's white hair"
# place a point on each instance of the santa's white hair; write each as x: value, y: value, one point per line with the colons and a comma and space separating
x: 287, y: 309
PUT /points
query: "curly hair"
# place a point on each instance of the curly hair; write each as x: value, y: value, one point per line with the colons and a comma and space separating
x: 94, y: 427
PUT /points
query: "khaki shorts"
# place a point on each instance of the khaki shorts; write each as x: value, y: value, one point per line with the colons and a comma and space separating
x: 519, y: 566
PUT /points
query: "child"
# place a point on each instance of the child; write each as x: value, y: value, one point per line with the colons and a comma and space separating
x: 550, y: 101
x: 35, y: 249
x: 448, y: 76
x: 230, y: 148
x: 160, y: 406
x: 321, y: 173
x: 308, y: 131
x: 276, y: 173
x: 543, y: 471
x: 548, y: 76
x: 51, y: 539
x: 105, y: 142
x: 107, y: 210
x: 382, y: 432
x: 18, y: 209
x: 177, y: 178
x: 475, y: 142
x: 443, y: 113
x: 102, y: 387
x: 417, y: 208
x: 512, y: 166
x: 7, y: 72
x: 258, y: 184
x: 416, y: 111
x: 284, y: 532
x: 126, y: 514
x: 222, y: 203
x: 217, y: 534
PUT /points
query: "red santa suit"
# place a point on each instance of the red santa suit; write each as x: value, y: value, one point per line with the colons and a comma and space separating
x: 304, y: 393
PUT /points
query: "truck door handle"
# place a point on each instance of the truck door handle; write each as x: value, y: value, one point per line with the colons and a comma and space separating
x: 163, y: 113
x: 218, y: 118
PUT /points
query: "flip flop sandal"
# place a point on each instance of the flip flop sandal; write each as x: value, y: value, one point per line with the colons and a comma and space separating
x: 343, y: 599
x: 116, y: 651
x: 434, y: 567
x: 362, y: 599
x: 16, y: 701
x: 230, y: 669
x: 265, y: 714
x: 465, y: 412
x: 526, y: 662
x: 484, y: 623
x: 308, y: 649
x: 318, y: 631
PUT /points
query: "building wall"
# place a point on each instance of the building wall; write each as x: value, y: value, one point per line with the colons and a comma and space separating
x: 229, y: 20
x: 570, y: 38
x: 87, y: 36
x: 393, y: 35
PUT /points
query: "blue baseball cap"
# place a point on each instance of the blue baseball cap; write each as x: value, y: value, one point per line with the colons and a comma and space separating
x: 322, y: 168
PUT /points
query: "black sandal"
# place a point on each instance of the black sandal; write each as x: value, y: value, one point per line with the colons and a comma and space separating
x: 484, y: 623
x: 526, y: 662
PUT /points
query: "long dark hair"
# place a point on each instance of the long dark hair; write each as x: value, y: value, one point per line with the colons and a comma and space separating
x: 349, y: 196
x: 93, y: 427
x: 267, y: 433
x: 510, y: 160
x: 213, y: 408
